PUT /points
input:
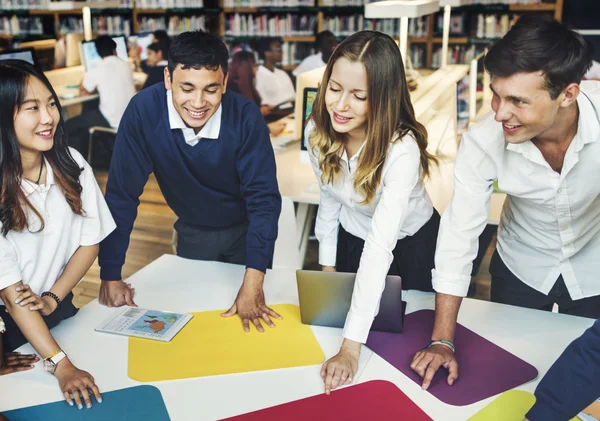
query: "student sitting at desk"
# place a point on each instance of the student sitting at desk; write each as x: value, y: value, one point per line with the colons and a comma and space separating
x: 273, y: 85
x: 326, y: 42
x: 52, y: 217
x: 242, y: 72
x: 162, y: 37
x: 369, y: 155
x: 113, y: 79
x: 542, y: 144
x: 211, y: 153
x: 157, y: 62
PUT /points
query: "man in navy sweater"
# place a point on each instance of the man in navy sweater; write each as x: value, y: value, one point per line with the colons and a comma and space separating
x: 212, y: 157
x: 573, y: 381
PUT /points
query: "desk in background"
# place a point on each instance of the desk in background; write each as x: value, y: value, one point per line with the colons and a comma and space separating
x: 538, y: 337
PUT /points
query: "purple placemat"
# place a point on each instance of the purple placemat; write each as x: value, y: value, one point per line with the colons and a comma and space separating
x: 485, y: 369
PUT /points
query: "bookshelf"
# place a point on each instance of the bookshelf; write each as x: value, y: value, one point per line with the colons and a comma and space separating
x: 296, y: 21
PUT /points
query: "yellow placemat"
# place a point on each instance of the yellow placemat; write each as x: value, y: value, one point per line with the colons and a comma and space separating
x: 509, y: 406
x: 211, y: 345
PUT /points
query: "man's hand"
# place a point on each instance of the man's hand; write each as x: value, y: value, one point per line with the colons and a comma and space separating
x: 250, y: 302
x: 116, y: 294
x: 11, y: 362
x: 428, y: 361
x: 328, y: 269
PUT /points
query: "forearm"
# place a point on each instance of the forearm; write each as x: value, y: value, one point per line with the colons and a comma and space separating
x: 76, y: 268
x: 254, y: 277
x: 30, y: 323
x: 446, y: 314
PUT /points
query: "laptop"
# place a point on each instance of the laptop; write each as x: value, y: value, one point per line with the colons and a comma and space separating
x: 325, y: 299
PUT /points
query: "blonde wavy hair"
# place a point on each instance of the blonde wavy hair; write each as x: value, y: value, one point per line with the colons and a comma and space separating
x: 390, y: 114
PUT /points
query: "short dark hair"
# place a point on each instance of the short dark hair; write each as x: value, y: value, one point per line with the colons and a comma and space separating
x: 105, y: 46
x: 197, y: 50
x: 159, y: 47
x: 538, y: 43
x: 264, y: 45
x: 325, y: 37
x: 162, y: 36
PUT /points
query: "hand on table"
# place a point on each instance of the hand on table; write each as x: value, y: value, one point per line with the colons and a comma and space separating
x: 428, y: 361
x: 76, y: 384
x: 277, y: 127
x: 45, y: 305
x: 250, y: 303
x: 13, y: 362
x: 116, y: 294
x: 340, y: 369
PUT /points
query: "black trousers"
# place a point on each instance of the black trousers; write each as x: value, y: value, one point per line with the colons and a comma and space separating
x: 78, y: 127
x: 508, y: 289
x: 413, y: 256
x: 226, y: 245
x: 13, y: 338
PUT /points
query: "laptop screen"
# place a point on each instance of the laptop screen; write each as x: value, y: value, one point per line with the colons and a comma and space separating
x: 25, y: 54
x: 90, y: 57
x: 307, y: 102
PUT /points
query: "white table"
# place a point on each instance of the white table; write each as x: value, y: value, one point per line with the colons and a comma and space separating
x: 184, y: 285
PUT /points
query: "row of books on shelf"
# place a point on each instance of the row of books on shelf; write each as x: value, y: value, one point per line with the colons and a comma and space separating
x: 458, y: 54
x: 343, y: 3
x: 56, y: 5
x: 347, y: 25
x: 174, y: 25
x: 21, y: 25
x: 289, y: 24
x: 526, y: 2
x: 169, y: 4
x: 101, y: 25
x: 268, y: 3
x: 294, y: 52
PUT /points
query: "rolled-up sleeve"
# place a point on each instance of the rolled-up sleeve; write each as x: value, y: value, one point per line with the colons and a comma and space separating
x: 464, y: 220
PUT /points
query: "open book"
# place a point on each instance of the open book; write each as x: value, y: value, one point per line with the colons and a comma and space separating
x: 142, y: 323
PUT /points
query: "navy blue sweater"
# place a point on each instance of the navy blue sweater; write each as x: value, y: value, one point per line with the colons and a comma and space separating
x: 213, y: 185
x: 573, y: 381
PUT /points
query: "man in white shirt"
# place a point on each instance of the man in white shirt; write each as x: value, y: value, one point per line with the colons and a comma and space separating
x: 542, y: 144
x: 594, y: 72
x: 326, y: 43
x: 113, y: 79
x: 274, y: 85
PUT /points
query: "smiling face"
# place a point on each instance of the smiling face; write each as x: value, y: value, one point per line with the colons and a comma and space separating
x: 37, y: 118
x: 197, y: 94
x: 346, y: 98
x: 524, y: 106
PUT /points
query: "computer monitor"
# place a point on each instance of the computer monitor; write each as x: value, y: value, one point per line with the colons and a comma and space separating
x: 141, y: 42
x: 310, y: 79
x: 308, y: 98
x: 90, y: 57
x: 25, y: 54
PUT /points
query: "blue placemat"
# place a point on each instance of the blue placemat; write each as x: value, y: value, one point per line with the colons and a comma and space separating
x: 139, y: 403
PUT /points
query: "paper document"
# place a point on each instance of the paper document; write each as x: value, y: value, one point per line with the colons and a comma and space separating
x: 143, y: 323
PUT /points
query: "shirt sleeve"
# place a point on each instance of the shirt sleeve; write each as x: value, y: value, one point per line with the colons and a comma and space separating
x: 258, y: 184
x: 130, y: 168
x: 261, y: 88
x: 10, y: 272
x: 328, y: 215
x: 573, y: 381
x: 398, y: 183
x: 464, y: 220
x: 98, y: 222
x: 90, y: 80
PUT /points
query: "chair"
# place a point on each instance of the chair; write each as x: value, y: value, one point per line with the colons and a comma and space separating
x: 286, y: 254
x: 92, y: 132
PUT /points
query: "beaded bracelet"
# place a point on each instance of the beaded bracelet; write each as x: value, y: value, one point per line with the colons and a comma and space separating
x: 442, y: 342
x: 53, y: 296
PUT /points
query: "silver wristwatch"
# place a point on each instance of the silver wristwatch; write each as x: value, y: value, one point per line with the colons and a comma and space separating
x: 51, y: 362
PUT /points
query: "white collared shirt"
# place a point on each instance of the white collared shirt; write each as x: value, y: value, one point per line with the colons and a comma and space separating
x: 550, y: 223
x: 400, y: 208
x: 210, y: 130
x: 38, y: 258
x: 310, y: 63
x: 113, y: 78
x: 274, y: 87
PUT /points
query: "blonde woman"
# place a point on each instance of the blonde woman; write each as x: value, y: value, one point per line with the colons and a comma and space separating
x: 369, y: 154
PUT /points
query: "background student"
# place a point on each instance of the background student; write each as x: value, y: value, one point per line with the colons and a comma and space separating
x: 326, y: 43
x: 52, y: 217
x: 369, y: 155
x: 113, y: 79
x: 157, y: 62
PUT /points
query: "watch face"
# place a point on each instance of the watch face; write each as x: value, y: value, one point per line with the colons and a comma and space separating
x: 49, y: 366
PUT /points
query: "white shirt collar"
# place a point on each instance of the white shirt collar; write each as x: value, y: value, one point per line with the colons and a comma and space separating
x: 29, y: 187
x: 588, y: 130
x: 211, y: 129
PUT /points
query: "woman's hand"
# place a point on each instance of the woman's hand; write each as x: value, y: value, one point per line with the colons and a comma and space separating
x: 340, y: 369
x: 76, y: 383
x: 26, y: 297
x: 11, y: 362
